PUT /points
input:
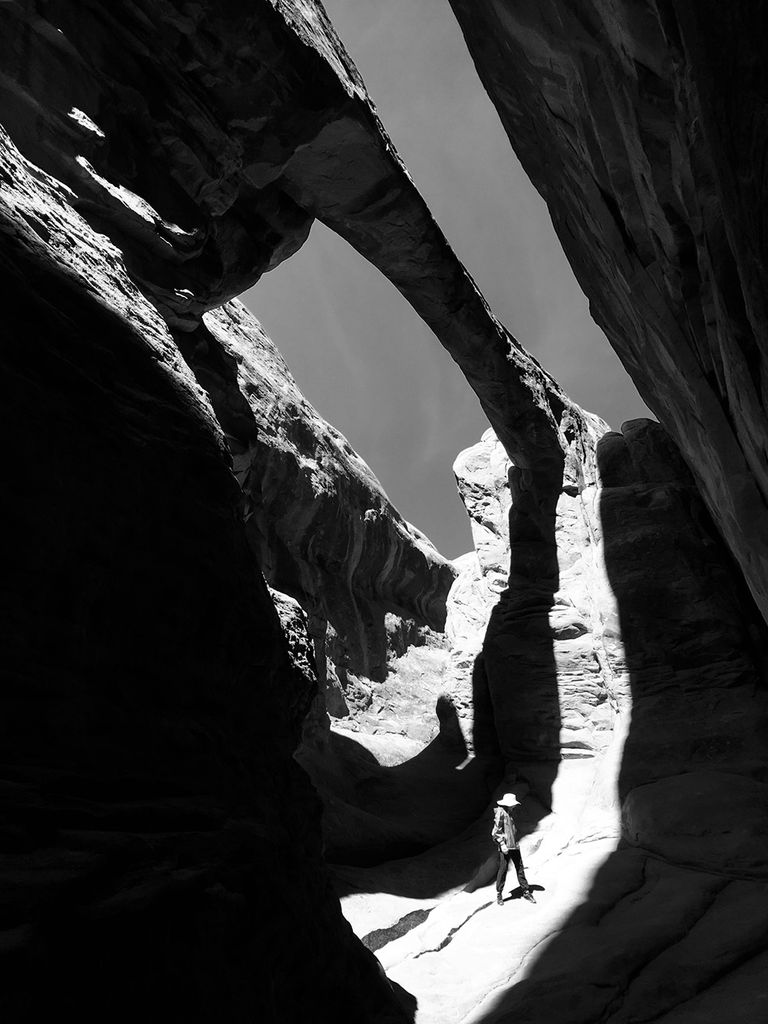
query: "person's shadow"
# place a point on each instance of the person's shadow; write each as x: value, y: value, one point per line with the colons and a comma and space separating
x: 517, y: 893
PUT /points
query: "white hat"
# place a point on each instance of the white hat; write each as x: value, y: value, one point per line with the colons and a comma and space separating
x: 508, y: 800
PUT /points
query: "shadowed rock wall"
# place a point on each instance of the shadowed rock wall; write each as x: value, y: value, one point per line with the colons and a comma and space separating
x: 322, y: 526
x: 643, y: 126
x: 203, y: 140
x: 261, y: 123
x: 160, y: 848
x: 148, y: 812
x: 121, y: 107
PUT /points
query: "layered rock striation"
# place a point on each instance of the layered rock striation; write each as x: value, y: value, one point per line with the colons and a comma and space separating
x: 324, y: 530
x: 160, y: 840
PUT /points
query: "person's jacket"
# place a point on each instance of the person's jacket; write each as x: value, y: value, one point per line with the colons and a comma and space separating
x: 503, y: 831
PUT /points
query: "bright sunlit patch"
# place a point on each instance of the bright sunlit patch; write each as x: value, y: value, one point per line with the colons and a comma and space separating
x: 85, y: 122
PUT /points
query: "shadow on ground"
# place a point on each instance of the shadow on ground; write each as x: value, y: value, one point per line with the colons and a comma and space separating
x: 376, y: 815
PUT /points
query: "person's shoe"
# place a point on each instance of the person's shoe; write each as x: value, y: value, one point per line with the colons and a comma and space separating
x: 528, y: 895
x: 499, y: 899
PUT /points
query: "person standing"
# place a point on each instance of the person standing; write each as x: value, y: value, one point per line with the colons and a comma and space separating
x: 504, y: 835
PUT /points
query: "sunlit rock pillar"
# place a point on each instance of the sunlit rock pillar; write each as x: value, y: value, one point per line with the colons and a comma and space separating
x: 652, y: 806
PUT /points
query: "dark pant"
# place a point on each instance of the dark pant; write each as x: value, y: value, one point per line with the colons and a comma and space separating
x: 517, y: 860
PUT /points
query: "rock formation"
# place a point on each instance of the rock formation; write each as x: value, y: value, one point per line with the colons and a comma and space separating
x: 261, y: 122
x: 690, y: 781
x: 140, y: 196
x: 318, y: 518
x: 641, y: 128
x: 633, y: 718
x: 160, y: 841
x: 149, y: 868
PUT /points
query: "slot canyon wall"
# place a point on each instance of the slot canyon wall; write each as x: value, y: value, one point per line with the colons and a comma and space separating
x: 600, y: 646
x: 324, y: 530
x: 639, y: 754
x: 642, y: 125
x: 149, y: 868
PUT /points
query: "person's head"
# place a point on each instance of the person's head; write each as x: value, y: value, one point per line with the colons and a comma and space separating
x: 509, y: 801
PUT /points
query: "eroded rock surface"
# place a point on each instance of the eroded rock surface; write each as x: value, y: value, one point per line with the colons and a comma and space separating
x: 641, y: 124
x: 323, y: 528
x: 643, y: 790
x: 260, y: 122
x: 689, y: 781
x: 149, y: 868
x: 401, y: 769
x: 152, y: 820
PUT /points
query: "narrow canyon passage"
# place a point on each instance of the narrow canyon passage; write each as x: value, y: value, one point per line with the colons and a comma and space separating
x: 635, y: 717
x: 243, y: 698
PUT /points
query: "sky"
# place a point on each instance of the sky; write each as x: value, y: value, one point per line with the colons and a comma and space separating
x: 359, y: 353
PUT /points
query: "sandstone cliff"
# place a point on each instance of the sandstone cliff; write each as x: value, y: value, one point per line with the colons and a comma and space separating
x: 322, y: 527
x: 161, y: 841
x: 139, y: 177
x: 149, y: 868
x: 260, y: 122
x: 641, y: 125
x: 630, y: 711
